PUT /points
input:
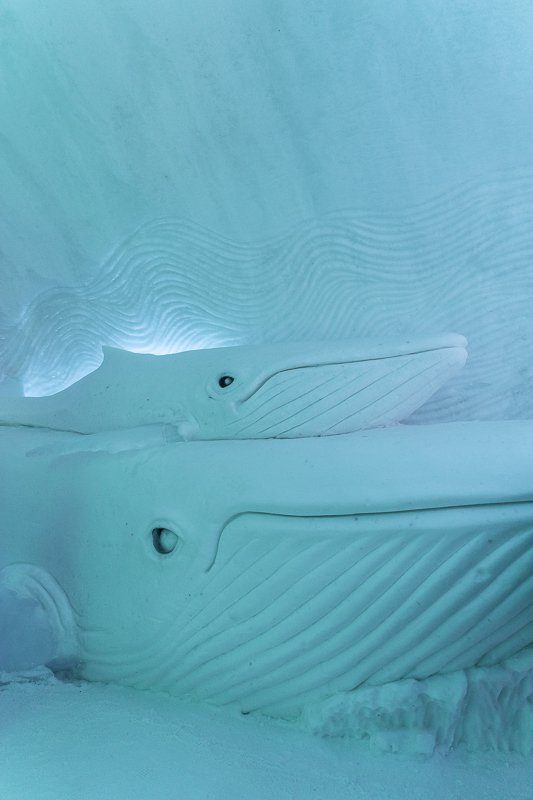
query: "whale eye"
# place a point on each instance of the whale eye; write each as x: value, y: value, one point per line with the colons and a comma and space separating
x: 225, y: 380
x: 164, y: 540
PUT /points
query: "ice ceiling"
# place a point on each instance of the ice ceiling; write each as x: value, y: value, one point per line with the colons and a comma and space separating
x: 189, y: 174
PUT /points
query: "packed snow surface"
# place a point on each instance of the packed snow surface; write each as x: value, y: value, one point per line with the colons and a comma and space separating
x: 80, y: 741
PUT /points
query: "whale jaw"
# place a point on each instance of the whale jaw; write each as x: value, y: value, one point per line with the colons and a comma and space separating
x: 298, y: 608
x: 339, y: 398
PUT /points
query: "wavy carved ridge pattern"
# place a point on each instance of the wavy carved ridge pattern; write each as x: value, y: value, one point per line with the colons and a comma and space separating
x: 460, y: 262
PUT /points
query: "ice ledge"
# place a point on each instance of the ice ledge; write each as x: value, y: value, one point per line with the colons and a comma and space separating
x: 483, y: 708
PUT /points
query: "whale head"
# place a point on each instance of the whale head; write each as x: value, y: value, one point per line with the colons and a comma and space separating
x: 313, y: 389
x: 251, y: 392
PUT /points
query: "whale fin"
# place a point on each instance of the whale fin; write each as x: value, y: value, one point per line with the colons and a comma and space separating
x: 48, y: 634
x: 111, y: 442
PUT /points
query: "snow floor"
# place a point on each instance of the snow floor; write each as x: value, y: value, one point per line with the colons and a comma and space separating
x: 80, y: 741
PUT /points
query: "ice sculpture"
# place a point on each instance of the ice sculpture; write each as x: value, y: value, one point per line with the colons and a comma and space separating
x: 250, y: 392
x: 271, y: 574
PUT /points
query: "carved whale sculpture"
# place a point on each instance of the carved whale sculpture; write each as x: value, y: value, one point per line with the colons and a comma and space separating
x: 250, y: 392
x: 267, y: 574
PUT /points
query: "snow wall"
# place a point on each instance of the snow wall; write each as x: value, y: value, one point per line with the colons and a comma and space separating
x: 190, y: 174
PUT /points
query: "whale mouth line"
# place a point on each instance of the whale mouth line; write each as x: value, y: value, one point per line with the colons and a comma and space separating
x: 336, y: 597
x: 345, y: 362
x: 319, y: 519
x: 336, y: 397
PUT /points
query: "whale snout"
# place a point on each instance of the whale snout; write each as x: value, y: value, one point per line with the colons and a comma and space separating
x: 345, y: 396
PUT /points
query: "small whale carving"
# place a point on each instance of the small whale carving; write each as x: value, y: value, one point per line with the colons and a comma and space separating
x: 267, y: 391
x: 269, y: 574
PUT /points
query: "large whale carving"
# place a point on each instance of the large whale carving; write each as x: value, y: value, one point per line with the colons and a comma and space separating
x: 265, y: 391
x: 266, y: 574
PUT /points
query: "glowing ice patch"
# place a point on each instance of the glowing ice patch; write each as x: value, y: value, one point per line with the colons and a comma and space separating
x: 37, y: 385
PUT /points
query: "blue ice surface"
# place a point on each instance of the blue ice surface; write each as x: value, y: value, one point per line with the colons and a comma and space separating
x: 354, y: 168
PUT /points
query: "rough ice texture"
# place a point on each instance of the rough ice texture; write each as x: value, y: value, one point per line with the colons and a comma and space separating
x: 480, y: 708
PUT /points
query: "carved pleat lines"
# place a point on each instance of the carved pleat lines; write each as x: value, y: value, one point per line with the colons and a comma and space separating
x: 296, y: 608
